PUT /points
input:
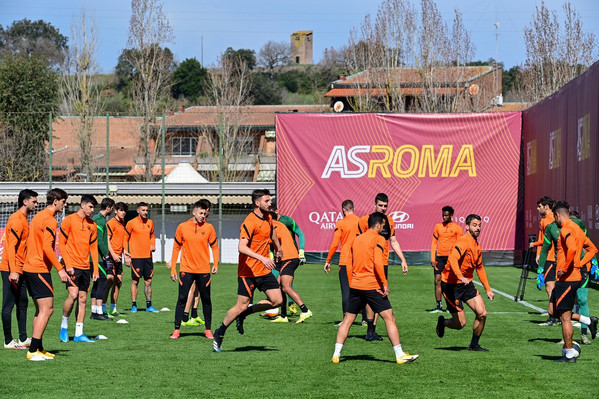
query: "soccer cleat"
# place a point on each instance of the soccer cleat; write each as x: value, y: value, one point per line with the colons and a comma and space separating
x: 190, y: 323
x: 593, y: 327
x: 208, y: 334
x: 25, y: 343
x: 47, y: 355
x: 133, y: 309
x: 198, y: 320
x: 436, y: 310
x: 585, y: 339
x: 82, y: 338
x: 151, y: 309
x: 217, y: 341
x: 113, y: 312
x: 64, y: 335
x: 477, y: 348
x: 550, y: 322
x: 544, y: 313
x: 440, y: 326
x: 280, y: 319
x: 364, y: 323
x: 565, y: 359
x: 406, y: 358
x: 14, y: 345
x: 373, y: 336
x: 304, y: 316
x: 36, y: 356
x: 293, y: 308
x: 239, y: 324
x: 176, y: 334
x: 335, y: 359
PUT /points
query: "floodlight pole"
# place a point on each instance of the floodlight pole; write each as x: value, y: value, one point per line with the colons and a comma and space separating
x: 50, y: 155
x: 107, y: 156
x: 220, y: 185
x: 163, y: 229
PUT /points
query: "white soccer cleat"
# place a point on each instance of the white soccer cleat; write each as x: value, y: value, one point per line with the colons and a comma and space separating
x: 406, y: 358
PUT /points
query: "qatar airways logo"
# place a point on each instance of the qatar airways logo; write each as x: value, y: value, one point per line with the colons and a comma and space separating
x: 400, y: 219
x: 325, y: 220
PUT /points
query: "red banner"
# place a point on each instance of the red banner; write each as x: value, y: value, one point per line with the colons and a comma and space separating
x: 421, y: 161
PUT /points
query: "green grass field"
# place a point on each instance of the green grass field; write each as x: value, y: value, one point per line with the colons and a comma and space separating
x: 289, y: 360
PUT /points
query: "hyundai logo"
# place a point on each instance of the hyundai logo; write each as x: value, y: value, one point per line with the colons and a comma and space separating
x: 399, y: 216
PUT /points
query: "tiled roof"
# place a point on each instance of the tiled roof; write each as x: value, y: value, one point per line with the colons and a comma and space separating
x: 123, y: 132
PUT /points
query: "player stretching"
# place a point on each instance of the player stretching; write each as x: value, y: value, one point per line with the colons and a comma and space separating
x: 286, y: 268
x: 381, y: 203
x: 14, y: 291
x: 105, y: 263
x: 457, y: 286
x: 445, y: 234
x: 368, y: 285
x: 39, y: 260
x: 115, y: 228
x: 140, y: 242
x: 255, y: 266
x: 570, y: 245
x: 193, y: 239
x: 78, y: 241
x: 346, y: 231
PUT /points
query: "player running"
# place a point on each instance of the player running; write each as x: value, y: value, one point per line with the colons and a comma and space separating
x: 368, y: 285
x: 39, y: 259
x: 193, y: 239
x: 346, y: 231
x: 14, y: 291
x: 78, y: 241
x: 457, y: 286
x: 255, y: 267
x: 445, y: 235
x: 115, y: 229
x: 105, y: 259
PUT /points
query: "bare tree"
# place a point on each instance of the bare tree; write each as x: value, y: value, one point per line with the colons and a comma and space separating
x: 81, y: 96
x: 149, y: 31
x: 273, y: 54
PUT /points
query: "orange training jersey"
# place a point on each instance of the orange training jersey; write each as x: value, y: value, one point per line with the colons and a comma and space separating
x: 346, y: 231
x: 572, y: 240
x: 286, y: 241
x: 116, y: 235
x: 367, y: 262
x: 40, y: 255
x: 363, y: 226
x: 15, y: 242
x: 545, y: 221
x: 465, y: 257
x: 257, y: 231
x: 444, y: 238
x: 140, y: 238
x: 77, y: 241
x: 193, y: 240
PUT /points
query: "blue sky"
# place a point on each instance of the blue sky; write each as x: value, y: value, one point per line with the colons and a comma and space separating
x: 250, y: 24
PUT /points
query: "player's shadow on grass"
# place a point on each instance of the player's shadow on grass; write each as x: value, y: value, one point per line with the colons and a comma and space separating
x: 192, y: 334
x: 545, y: 357
x: 453, y: 348
x: 554, y: 340
x: 254, y: 348
x: 365, y: 357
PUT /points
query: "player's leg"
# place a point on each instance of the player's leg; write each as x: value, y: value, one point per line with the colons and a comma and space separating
x: 371, y: 334
x: 344, y: 284
x: 270, y: 286
x: 287, y: 275
x: 549, y: 276
x: 387, y: 315
x: 355, y: 304
x: 583, y: 315
x: 22, y: 304
x: 185, y: 282
x: 136, y: 265
x: 245, y: 293
x: 116, y: 289
x: 374, y: 335
x: 478, y: 307
x: 41, y: 290
x: 203, y: 284
x: 8, y: 302
x: 67, y: 308
x: 441, y: 262
x: 148, y: 273
x: 456, y: 309
x: 83, y: 285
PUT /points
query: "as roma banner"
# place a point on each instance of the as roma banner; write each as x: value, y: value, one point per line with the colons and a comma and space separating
x: 421, y: 161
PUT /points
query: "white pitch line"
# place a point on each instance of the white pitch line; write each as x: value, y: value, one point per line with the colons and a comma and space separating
x: 530, y: 305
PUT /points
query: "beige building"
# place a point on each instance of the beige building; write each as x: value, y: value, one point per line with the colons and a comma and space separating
x: 301, y: 47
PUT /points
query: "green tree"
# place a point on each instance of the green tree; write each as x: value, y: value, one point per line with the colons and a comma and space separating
x: 29, y: 38
x: 28, y: 93
x: 264, y: 91
x: 246, y: 55
x: 189, y: 80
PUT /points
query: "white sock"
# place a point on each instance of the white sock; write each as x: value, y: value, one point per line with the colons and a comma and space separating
x: 103, y: 308
x: 78, y: 329
x: 338, y: 348
x: 65, y: 322
x: 93, y: 308
x: 585, y: 320
x: 98, y: 309
x: 398, y: 351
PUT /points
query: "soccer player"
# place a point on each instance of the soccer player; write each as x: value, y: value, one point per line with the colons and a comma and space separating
x: 546, y: 270
x: 572, y: 241
x: 115, y: 228
x: 140, y: 242
x: 346, y: 231
x: 14, y: 291
x: 286, y: 268
x: 99, y: 286
x: 254, y: 268
x: 368, y: 285
x: 78, y: 241
x: 457, y: 286
x: 193, y: 239
x: 381, y: 203
x: 445, y: 234
x: 39, y: 259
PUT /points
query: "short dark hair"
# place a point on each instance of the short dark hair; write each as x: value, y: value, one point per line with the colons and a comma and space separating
x: 348, y: 205
x: 546, y: 201
x: 25, y: 195
x: 141, y: 204
x: 574, y: 214
x: 88, y: 199
x: 375, y: 218
x: 121, y: 206
x: 472, y: 217
x: 381, y: 197
x: 206, y: 204
x: 447, y: 209
x: 257, y: 194
x: 106, y: 203
x: 55, y: 194
x: 201, y: 204
x: 560, y: 205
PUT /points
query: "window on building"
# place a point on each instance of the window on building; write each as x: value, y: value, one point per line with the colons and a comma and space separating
x: 297, y: 60
x: 184, y: 146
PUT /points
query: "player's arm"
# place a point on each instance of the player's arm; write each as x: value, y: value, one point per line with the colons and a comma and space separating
x: 213, y: 241
x: 63, y: 237
x: 93, y: 249
x: 457, y: 253
x: 48, y: 239
x: 152, y: 239
x: 177, y: 245
x: 379, y: 268
x: 244, y: 249
x: 539, y: 241
x: 434, y: 247
x: 277, y: 244
x: 127, y: 238
x: 333, y: 248
x: 109, y: 235
x: 547, y: 241
x: 590, y: 250
x: 13, y: 239
x: 570, y: 253
x: 482, y: 276
x: 395, y: 245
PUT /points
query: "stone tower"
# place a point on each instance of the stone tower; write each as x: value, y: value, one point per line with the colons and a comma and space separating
x: 301, y: 47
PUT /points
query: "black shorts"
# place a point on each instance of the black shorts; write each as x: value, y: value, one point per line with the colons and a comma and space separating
x: 39, y: 285
x: 441, y: 262
x: 80, y: 279
x: 564, y: 294
x: 549, y: 272
x: 360, y: 298
x: 456, y: 294
x: 142, y: 268
x: 114, y: 268
x: 247, y: 285
x: 287, y: 267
